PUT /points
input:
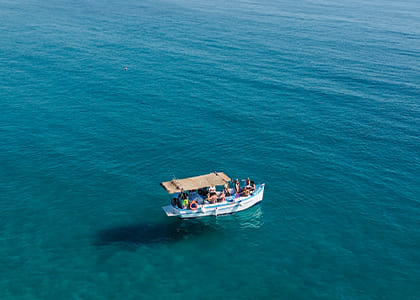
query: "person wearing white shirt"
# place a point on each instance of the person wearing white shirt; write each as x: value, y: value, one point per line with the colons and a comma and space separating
x: 212, y: 190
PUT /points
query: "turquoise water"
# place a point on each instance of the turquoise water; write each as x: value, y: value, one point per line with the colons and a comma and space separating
x: 318, y: 99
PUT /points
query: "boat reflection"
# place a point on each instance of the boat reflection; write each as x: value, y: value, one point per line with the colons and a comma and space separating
x: 247, y: 219
x: 252, y: 218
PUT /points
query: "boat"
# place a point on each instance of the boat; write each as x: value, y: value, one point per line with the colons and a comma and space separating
x: 189, y: 196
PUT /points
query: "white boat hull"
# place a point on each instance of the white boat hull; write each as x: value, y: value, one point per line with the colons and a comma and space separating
x: 230, y: 206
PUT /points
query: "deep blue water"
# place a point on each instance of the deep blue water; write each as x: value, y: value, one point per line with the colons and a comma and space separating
x: 318, y: 99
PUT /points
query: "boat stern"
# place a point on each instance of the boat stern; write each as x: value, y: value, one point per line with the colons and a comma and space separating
x: 170, y: 211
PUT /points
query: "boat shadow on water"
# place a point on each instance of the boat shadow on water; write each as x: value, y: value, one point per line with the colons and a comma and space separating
x: 135, y: 235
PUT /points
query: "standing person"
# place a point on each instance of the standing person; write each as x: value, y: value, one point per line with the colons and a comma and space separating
x: 237, y: 186
x: 226, y: 190
x: 248, y: 183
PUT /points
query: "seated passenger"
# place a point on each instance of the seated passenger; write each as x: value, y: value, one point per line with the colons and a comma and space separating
x: 245, y: 192
x: 212, y: 194
x: 222, y: 197
x: 174, y: 201
x: 212, y: 190
x: 185, y: 203
x: 214, y: 198
x: 183, y: 199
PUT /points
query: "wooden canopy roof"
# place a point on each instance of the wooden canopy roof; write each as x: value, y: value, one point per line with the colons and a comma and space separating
x: 197, y: 182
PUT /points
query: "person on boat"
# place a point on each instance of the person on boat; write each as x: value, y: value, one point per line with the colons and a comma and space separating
x: 212, y: 190
x: 237, y: 186
x: 245, y: 192
x: 175, y: 201
x: 246, y: 189
x: 222, y: 197
x: 212, y: 194
x: 183, y: 199
x: 252, y: 186
x: 248, y: 183
x: 211, y: 199
x: 179, y: 200
x: 226, y: 190
x: 214, y: 198
x: 185, y: 203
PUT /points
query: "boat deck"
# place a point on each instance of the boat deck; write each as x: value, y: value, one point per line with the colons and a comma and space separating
x: 231, y: 204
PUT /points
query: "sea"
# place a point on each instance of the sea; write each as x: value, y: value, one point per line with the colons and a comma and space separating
x: 101, y: 101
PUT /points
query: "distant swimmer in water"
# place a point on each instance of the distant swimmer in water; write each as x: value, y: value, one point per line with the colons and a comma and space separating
x: 126, y: 68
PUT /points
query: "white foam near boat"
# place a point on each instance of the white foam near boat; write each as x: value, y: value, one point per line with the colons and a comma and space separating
x: 195, y: 204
